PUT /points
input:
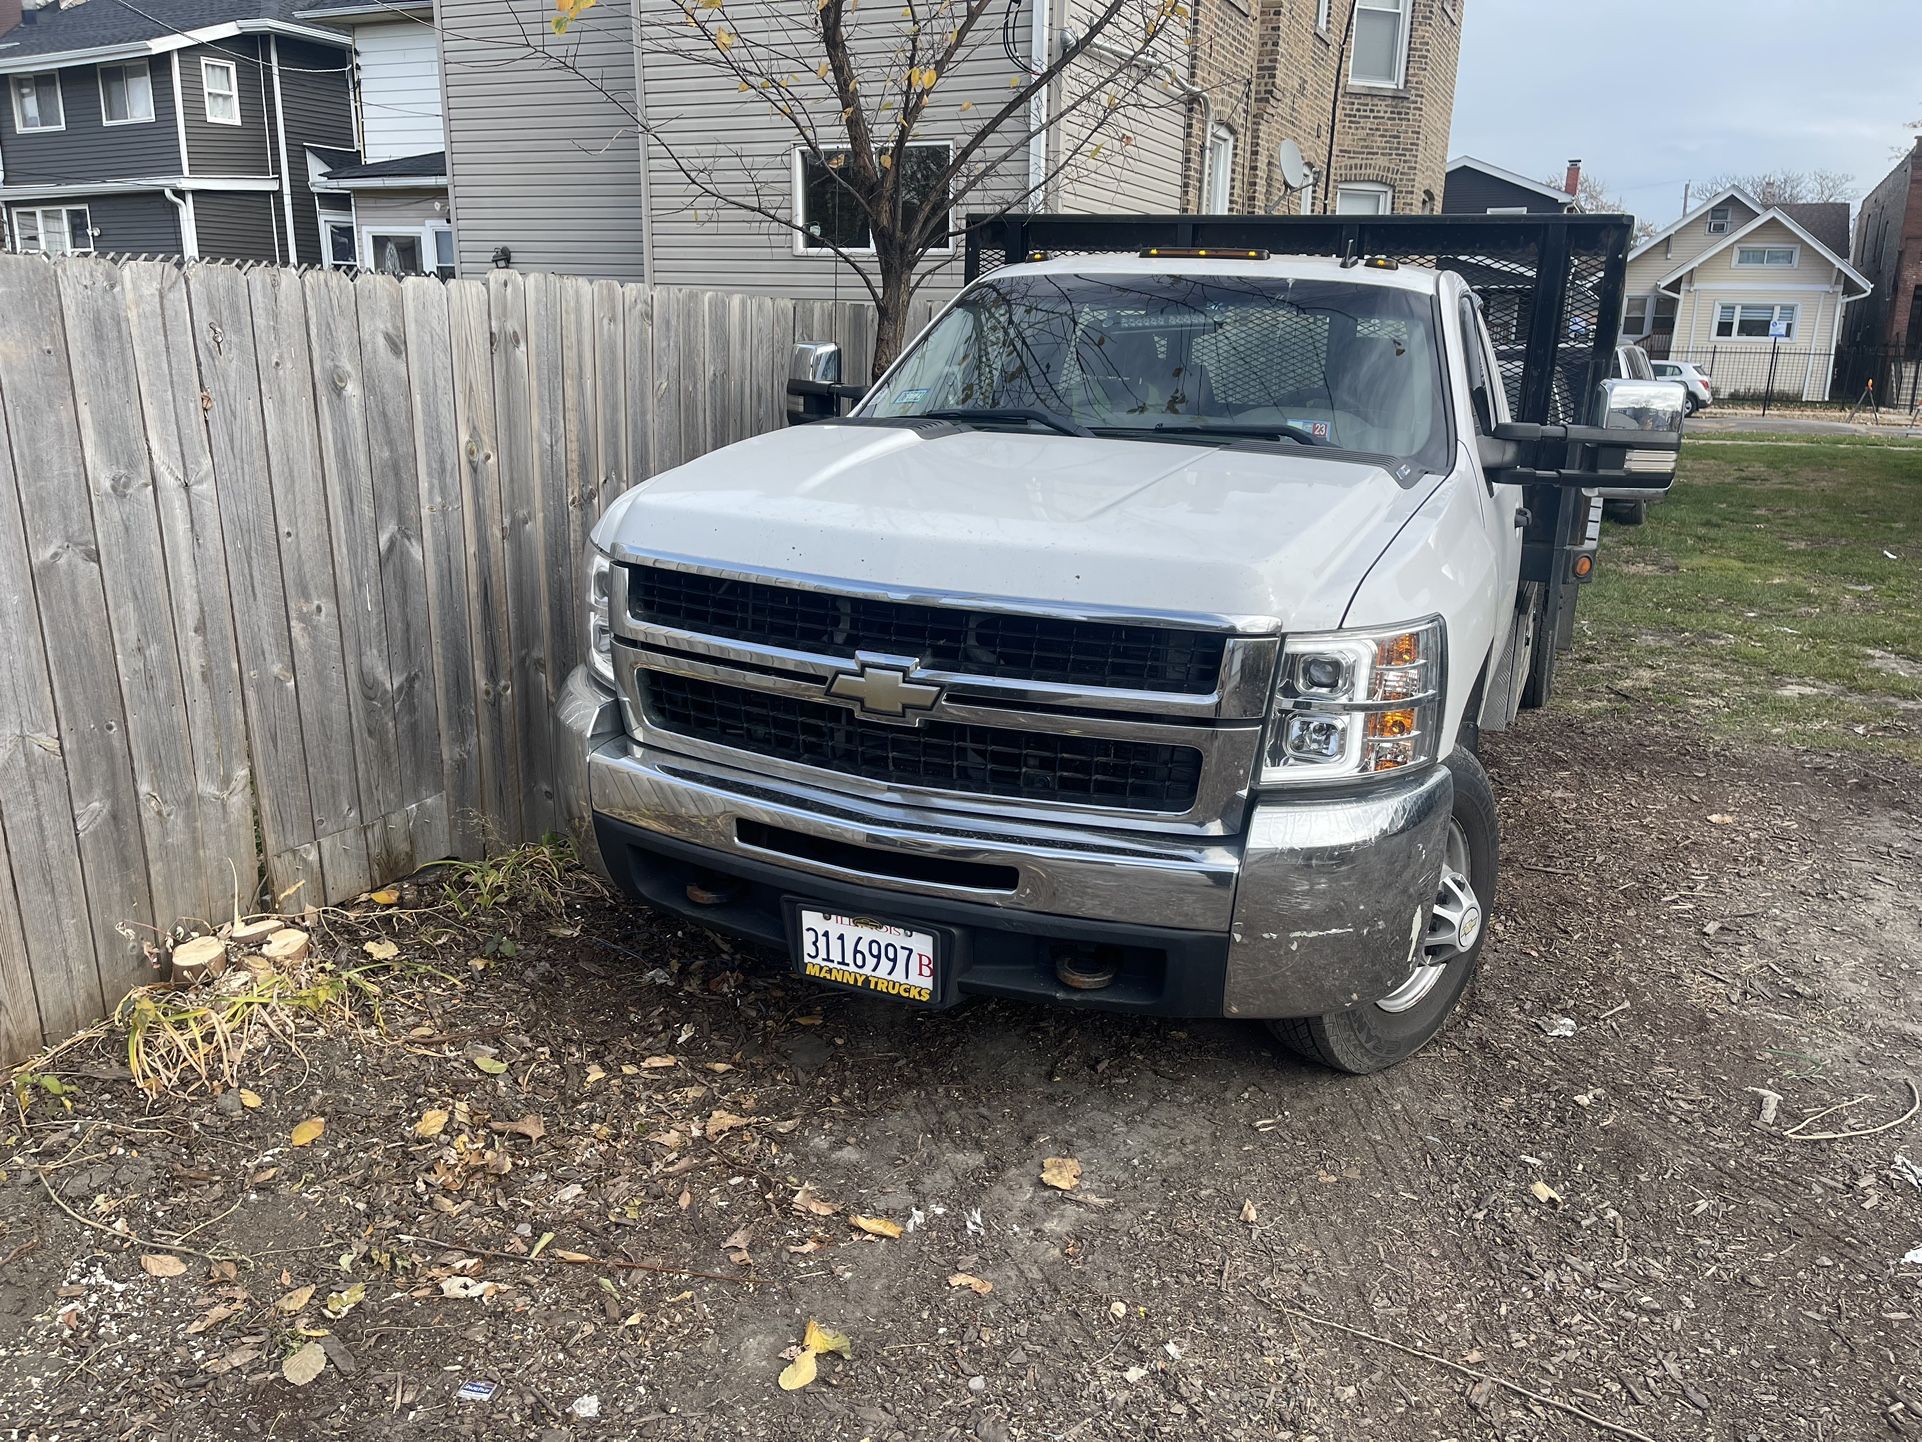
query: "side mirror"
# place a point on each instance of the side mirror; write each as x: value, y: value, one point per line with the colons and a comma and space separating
x: 813, y: 366
x: 1651, y: 408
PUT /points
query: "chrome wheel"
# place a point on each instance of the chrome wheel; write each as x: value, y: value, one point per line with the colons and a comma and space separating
x: 1454, y: 926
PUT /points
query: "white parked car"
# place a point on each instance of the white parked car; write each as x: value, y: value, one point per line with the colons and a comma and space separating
x: 1127, y: 647
x: 1692, y: 377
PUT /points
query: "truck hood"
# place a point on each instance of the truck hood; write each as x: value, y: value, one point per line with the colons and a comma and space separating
x: 1142, y: 525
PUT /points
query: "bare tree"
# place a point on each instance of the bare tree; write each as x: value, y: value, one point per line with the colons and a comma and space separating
x: 1595, y: 198
x: 1788, y: 187
x: 861, y: 93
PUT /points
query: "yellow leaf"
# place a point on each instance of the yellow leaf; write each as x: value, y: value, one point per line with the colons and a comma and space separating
x: 159, y: 1264
x: 386, y: 896
x: 820, y: 1339
x: 295, y: 1300
x: 724, y: 39
x: 339, y: 1304
x: 967, y: 105
x: 1545, y: 1194
x: 381, y: 949
x: 798, y: 1373
x: 887, y: 161
x: 431, y: 1123
x: 1061, y: 1173
x: 876, y: 1226
x: 541, y: 1246
x: 980, y: 1286
x: 565, y: 1256
x: 492, y: 1065
x: 656, y: 1063
x: 303, y: 1366
x: 250, y: 1099
x: 308, y: 1132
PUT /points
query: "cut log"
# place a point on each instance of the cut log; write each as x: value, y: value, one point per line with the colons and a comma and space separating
x: 201, y: 959
x: 252, y: 933
x: 286, y: 946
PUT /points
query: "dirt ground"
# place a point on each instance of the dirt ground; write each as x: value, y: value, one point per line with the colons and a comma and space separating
x: 1711, y: 922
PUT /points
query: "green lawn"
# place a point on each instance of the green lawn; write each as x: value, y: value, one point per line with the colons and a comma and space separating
x: 1777, y: 593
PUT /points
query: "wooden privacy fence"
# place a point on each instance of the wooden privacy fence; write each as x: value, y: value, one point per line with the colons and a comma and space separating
x: 290, y: 574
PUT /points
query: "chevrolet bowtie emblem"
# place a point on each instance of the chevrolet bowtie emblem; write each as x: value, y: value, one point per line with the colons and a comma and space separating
x: 883, y: 691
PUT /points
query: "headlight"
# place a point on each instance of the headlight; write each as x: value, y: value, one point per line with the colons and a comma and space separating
x: 600, y: 630
x: 1357, y: 703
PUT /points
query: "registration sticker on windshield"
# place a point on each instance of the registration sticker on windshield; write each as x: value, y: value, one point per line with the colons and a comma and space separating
x: 1317, y: 430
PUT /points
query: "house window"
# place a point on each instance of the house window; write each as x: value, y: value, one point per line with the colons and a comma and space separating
x: 36, y: 103
x: 126, y: 94
x: 1321, y: 15
x: 1218, y: 183
x: 337, y: 242
x: 1718, y: 220
x: 53, y: 230
x: 1778, y: 255
x: 1381, y: 42
x: 220, y: 91
x: 1364, y: 199
x: 395, y: 252
x: 1754, y: 322
x: 1635, y: 316
x: 442, y: 237
x: 830, y: 216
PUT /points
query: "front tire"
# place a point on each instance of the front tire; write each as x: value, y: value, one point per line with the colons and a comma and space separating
x: 1384, y: 1032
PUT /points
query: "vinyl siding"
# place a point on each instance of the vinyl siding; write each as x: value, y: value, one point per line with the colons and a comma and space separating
x: 399, y: 209
x: 1687, y: 243
x: 140, y: 224
x: 1812, y: 267
x: 540, y: 160
x: 738, y: 145
x: 88, y: 149
x: 1475, y: 192
x: 399, y: 69
x: 1126, y: 157
x: 235, y: 224
x: 318, y: 101
x: 214, y: 149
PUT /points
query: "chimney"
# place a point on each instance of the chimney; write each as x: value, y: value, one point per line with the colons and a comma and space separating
x: 9, y: 15
x: 1573, y: 185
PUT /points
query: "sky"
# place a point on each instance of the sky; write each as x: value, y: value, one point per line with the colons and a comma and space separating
x: 1651, y: 94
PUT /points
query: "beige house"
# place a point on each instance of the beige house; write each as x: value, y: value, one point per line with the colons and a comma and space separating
x: 1754, y: 294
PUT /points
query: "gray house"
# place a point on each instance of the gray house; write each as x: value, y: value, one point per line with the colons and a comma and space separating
x: 1474, y: 187
x: 175, y: 128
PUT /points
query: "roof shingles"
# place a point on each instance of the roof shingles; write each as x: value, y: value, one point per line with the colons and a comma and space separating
x: 54, y: 31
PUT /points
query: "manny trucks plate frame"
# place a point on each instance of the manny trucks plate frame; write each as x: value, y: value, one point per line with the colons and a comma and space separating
x: 878, y: 956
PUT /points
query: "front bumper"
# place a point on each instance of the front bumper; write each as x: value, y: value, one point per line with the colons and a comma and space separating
x: 1319, y: 905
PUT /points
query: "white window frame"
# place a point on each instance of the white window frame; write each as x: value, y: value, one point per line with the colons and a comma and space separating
x: 1218, y: 175
x: 327, y: 220
x: 1793, y: 252
x: 1508, y: 210
x: 1400, y: 9
x: 434, y: 230
x: 1643, y: 308
x: 1322, y: 7
x: 1720, y: 219
x: 1732, y: 311
x: 39, y: 214
x: 797, y: 158
x: 59, y: 97
x: 1385, y: 194
x: 208, y: 66
x: 371, y: 234
x: 131, y: 67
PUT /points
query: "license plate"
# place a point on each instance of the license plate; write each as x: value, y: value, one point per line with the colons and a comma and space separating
x: 865, y: 953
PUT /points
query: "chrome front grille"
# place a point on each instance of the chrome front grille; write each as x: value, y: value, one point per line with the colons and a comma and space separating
x: 952, y: 703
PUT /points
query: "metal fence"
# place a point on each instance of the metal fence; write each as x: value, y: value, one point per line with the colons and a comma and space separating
x: 1788, y: 374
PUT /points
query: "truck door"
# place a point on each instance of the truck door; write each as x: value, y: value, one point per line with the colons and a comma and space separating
x: 1503, y: 505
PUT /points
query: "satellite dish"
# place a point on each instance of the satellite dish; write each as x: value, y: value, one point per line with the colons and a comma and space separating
x: 1294, y: 170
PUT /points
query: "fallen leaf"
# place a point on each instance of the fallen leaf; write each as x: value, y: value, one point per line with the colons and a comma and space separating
x: 263, y: 1176
x: 295, y: 1299
x: 307, y: 1132
x: 980, y: 1286
x: 740, y: 1240
x: 1721, y: 819
x: 492, y: 1065
x: 1248, y: 1213
x: 213, y: 1318
x: 468, y: 1288
x: 159, y: 1264
x: 432, y: 1123
x: 339, y: 1304
x: 381, y: 949
x: 249, y: 1099
x: 1061, y: 1173
x: 386, y: 896
x: 533, y: 1128
x: 876, y: 1226
x: 303, y: 1366
x: 656, y: 1063
x: 720, y: 1123
x: 806, y: 1201
x: 798, y: 1373
x: 1545, y: 1194
x: 802, y: 1249
x: 572, y: 1256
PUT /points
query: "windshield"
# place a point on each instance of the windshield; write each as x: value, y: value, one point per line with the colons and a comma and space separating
x: 1219, y: 358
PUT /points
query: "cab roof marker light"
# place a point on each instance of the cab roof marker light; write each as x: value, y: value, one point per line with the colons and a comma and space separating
x: 1200, y: 252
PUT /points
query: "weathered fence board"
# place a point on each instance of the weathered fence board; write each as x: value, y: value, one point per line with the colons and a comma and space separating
x: 290, y: 575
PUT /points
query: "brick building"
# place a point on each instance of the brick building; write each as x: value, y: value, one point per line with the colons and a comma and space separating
x: 1888, y: 251
x: 1365, y: 89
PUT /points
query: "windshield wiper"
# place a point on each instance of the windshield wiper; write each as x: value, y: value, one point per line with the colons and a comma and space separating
x: 1048, y: 420
x: 1241, y: 432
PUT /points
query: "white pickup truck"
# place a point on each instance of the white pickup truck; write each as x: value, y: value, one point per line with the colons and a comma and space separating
x: 1127, y: 646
